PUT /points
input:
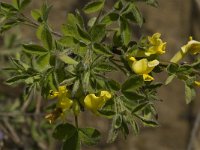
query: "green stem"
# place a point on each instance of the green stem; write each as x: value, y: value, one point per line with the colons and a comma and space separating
x: 76, y: 121
x: 31, y: 23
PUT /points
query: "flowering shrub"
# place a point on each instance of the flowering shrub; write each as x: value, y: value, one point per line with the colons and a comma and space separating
x: 71, y: 68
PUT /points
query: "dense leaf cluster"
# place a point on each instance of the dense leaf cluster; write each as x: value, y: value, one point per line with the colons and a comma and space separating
x: 82, y: 59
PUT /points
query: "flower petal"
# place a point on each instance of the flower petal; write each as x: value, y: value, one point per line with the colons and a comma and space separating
x: 147, y: 77
x: 106, y: 95
x: 140, y: 66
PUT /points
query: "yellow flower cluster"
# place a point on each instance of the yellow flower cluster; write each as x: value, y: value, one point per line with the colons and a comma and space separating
x: 192, y: 47
x: 64, y: 103
x: 143, y: 67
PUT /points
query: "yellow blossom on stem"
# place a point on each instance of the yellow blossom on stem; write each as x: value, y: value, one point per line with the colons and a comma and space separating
x: 93, y: 102
x: 157, y: 45
x: 192, y: 47
x: 143, y: 67
x: 64, y: 102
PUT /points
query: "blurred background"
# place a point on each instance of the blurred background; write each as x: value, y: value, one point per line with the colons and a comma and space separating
x: 176, y: 20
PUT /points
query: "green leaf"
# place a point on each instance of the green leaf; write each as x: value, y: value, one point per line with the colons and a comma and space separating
x: 114, y: 85
x: 189, y: 93
x: 8, y: 25
x: 169, y: 79
x: 36, y: 15
x: 34, y: 49
x: 124, y: 127
x: 132, y: 13
x: 52, y: 81
x: 130, y: 87
x: 68, y: 41
x: 117, y: 121
x: 69, y: 30
x: 118, y: 5
x: 83, y: 35
x: 91, y: 22
x: 86, y: 81
x: 98, y: 32
x: 110, y: 18
x: 81, y: 49
x: 64, y: 131
x: 173, y: 68
x: 19, y: 64
x: 102, y: 67
x: 100, y: 49
x: 75, y: 87
x: 89, y: 136
x: 17, y: 79
x: 45, y: 36
x: 125, y: 31
x: 45, y: 11
x: 80, y: 20
x: 93, y: 6
x: 68, y: 81
x: 132, y: 83
x: 153, y: 3
x: 66, y: 59
x: 43, y: 62
x: 24, y: 3
x: 153, y: 86
x: 133, y: 96
x: 7, y: 7
x: 147, y: 122
x: 137, y: 15
x: 140, y: 107
x: 72, y: 20
x: 117, y: 39
x: 107, y: 113
x: 16, y: 4
x: 73, y: 143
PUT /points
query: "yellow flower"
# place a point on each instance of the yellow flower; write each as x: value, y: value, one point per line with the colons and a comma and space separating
x: 193, y: 47
x: 64, y: 103
x: 157, y: 45
x: 197, y: 83
x: 143, y: 67
x: 93, y: 102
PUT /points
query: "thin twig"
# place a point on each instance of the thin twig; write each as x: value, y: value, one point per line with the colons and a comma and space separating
x: 26, y: 104
x: 194, y: 132
x: 14, y: 136
x: 31, y: 23
x: 38, y: 105
x: 14, y: 114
